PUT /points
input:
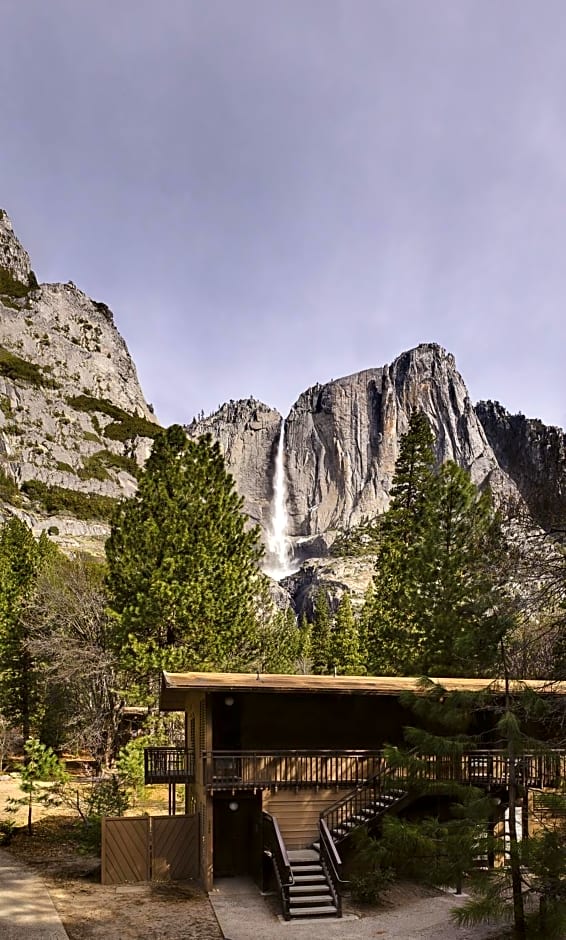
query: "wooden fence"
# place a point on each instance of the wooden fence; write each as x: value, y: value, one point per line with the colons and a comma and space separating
x: 144, y: 848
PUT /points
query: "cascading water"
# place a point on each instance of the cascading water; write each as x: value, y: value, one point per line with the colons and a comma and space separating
x: 279, y: 550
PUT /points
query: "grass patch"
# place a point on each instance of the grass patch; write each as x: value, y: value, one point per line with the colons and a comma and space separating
x: 13, y: 288
x: 96, y: 466
x: 18, y: 369
x: 9, y: 492
x: 64, y: 467
x: 59, y: 499
x: 123, y: 427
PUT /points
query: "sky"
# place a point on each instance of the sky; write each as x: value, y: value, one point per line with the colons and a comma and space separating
x: 273, y: 194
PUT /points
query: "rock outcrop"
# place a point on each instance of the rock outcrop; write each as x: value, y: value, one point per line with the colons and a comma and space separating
x: 72, y: 413
x: 534, y: 457
x: 342, y: 442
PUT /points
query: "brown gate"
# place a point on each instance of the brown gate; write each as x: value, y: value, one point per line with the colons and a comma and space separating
x: 174, y: 848
x: 140, y: 848
x: 125, y: 849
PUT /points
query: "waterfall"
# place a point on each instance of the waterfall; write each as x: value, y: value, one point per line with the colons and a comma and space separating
x: 279, y: 549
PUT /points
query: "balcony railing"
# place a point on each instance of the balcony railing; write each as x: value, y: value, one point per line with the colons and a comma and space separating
x: 168, y: 765
x: 230, y: 770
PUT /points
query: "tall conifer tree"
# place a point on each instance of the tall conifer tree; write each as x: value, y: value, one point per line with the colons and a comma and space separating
x: 183, y: 566
x: 21, y: 559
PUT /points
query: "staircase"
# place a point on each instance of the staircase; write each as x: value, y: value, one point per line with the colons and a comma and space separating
x: 311, y: 894
x: 361, y: 807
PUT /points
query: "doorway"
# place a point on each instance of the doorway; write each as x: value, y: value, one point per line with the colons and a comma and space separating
x: 237, y: 835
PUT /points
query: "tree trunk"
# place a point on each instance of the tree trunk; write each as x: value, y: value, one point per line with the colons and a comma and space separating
x: 520, y: 928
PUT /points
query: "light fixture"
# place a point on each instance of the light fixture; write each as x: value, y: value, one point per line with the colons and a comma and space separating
x: 233, y: 805
x: 229, y: 700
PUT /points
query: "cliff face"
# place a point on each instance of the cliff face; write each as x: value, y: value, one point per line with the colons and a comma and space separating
x: 342, y: 442
x: 534, y: 457
x: 343, y: 437
x: 248, y: 432
x: 72, y: 413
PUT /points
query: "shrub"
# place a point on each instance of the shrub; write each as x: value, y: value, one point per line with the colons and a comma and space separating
x: 10, y: 286
x: 17, y: 369
x: 123, y: 426
x: 95, y: 466
x: 370, y: 875
x: 59, y: 499
x: 9, y: 491
x: 7, y: 827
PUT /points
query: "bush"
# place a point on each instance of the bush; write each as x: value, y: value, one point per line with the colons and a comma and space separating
x: 7, y: 827
x: 59, y: 499
x: 95, y: 466
x: 9, y: 492
x: 370, y: 875
x: 123, y: 427
x: 13, y: 288
x: 17, y: 369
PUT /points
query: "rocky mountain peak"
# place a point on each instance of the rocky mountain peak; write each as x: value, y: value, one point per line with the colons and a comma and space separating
x: 14, y: 259
x: 74, y: 424
x: 342, y: 442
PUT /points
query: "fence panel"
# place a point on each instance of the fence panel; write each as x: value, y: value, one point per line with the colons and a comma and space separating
x: 175, y: 848
x: 137, y: 848
x: 125, y: 849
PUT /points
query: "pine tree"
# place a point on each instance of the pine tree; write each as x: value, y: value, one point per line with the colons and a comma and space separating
x: 436, y: 606
x: 344, y: 640
x: 391, y: 616
x: 462, y: 611
x: 320, y: 636
x: 21, y: 559
x: 183, y: 565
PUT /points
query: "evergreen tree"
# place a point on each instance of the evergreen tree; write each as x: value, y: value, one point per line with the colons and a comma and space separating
x: 21, y: 559
x: 440, y: 848
x: 436, y: 606
x: 391, y: 625
x: 462, y: 613
x: 183, y: 567
x: 320, y: 636
x: 344, y: 640
x: 304, y: 656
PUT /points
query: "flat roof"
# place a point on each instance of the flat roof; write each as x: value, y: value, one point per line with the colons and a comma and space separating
x: 176, y: 683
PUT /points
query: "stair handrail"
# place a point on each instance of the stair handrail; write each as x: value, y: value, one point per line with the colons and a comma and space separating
x: 274, y: 846
x: 335, y: 814
x: 331, y: 865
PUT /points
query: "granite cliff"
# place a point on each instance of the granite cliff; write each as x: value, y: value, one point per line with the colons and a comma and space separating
x: 534, y: 457
x: 74, y: 425
x: 342, y: 442
x: 75, y: 428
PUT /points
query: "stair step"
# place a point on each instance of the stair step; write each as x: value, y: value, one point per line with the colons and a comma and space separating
x: 308, y: 891
x: 315, y: 878
x: 302, y: 856
x: 300, y: 870
x: 330, y: 910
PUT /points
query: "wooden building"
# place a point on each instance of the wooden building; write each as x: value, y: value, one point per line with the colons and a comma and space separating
x: 275, y: 763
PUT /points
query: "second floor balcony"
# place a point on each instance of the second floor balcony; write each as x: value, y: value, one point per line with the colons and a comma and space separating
x: 230, y: 770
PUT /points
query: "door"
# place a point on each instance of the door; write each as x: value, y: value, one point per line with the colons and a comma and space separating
x: 236, y: 833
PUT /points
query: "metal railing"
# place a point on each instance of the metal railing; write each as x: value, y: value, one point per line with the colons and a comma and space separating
x: 230, y: 769
x: 331, y: 865
x: 275, y: 851
x: 341, y: 768
x: 383, y: 791
x: 168, y: 765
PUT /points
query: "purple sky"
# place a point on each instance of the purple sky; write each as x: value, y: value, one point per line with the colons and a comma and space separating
x: 270, y: 194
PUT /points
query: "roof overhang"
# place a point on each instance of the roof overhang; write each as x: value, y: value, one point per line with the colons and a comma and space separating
x: 176, y: 685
